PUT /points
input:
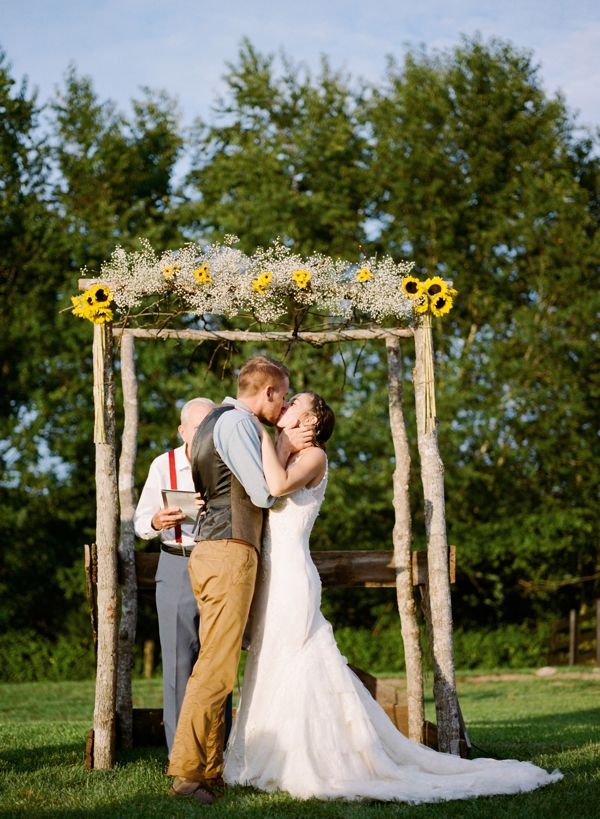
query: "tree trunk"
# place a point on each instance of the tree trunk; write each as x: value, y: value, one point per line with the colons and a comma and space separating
x: 127, y: 542
x: 106, y: 540
x: 402, y: 542
x: 438, y: 606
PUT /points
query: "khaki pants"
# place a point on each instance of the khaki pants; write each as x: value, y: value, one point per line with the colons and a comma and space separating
x: 222, y: 573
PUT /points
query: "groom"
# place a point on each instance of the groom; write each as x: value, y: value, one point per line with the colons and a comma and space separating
x: 227, y: 470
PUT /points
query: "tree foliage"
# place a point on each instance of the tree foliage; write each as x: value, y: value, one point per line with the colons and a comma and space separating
x: 457, y: 160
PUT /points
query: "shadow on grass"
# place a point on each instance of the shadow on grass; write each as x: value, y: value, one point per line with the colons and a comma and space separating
x: 24, y: 760
x: 559, y: 730
x: 554, y: 800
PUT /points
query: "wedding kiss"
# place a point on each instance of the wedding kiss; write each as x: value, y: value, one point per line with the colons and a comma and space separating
x: 306, y: 724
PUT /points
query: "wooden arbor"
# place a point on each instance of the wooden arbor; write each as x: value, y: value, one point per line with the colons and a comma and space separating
x: 115, y: 544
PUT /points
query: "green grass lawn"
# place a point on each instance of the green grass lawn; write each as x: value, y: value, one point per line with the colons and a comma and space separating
x: 555, y: 722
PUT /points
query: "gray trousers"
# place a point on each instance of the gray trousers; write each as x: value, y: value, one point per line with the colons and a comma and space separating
x: 178, y: 622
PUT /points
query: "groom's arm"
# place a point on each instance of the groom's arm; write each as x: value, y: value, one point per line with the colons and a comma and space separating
x: 237, y: 440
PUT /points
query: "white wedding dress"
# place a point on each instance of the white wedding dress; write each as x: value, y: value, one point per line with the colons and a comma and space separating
x: 306, y: 724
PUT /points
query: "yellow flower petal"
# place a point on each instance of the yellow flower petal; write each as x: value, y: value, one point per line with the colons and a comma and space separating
x: 202, y: 275
x: 412, y: 287
x: 364, y: 274
x: 302, y: 278
x: 440, y: 305
x: 435, y: 286
x: 422, y: 305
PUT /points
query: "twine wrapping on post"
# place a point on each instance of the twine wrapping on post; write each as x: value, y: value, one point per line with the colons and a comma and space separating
x: 98, y: 356
x: 430, y: 412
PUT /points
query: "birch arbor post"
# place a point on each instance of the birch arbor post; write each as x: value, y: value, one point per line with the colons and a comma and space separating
x: 127, y: 501
x: 438, y: 608
x: 402, y: 538
x: 106, y: 537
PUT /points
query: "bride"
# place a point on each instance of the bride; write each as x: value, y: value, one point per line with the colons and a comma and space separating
x: 306, y: 724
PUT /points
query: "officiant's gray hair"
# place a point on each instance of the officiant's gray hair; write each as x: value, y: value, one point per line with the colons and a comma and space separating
x: 205, y: 402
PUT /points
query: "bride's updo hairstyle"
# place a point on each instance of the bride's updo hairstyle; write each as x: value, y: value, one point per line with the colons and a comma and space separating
x: 325, y: 419
x: 258, y: 371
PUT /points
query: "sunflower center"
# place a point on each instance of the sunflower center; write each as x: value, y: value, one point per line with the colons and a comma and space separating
x: 411, y: 287
x: 101, y: 295
x: 435, y: 288
x: 439, y: 303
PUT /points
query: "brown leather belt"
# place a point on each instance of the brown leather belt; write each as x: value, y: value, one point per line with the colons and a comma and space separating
x: 181, y: 551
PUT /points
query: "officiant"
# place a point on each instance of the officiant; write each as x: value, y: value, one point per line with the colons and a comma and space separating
x: 175, y: 603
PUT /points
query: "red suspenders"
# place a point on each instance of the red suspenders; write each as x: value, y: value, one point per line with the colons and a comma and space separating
x: 173, y: 475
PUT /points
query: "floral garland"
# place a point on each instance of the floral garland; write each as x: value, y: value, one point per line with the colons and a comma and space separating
x: 220, y: 279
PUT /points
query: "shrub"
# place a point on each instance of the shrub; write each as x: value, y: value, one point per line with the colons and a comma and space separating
x: 26, y: 656
x: 508, y: 646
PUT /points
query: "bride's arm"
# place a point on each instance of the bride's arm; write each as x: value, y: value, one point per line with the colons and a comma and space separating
x: 282, y: 480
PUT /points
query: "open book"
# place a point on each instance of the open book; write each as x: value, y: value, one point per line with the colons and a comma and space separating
x: 186, y: 501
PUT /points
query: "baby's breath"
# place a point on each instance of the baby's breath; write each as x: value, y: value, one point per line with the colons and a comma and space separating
x: 221, y: 279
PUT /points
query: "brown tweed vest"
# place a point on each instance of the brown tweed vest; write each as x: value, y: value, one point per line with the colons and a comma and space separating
x: 229, y: 511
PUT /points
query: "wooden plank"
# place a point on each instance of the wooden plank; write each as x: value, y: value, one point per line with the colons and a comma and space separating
x: 419, y: 568
x: 573, y: 636
x: 598, y: 632
x: 371, y: 569
x: 452, y: 562
x: 367, y: 569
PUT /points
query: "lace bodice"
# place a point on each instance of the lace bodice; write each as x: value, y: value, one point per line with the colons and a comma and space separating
x: 292, y: 517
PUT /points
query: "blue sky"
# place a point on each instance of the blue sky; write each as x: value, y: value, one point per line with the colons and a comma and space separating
x: 183, y: 46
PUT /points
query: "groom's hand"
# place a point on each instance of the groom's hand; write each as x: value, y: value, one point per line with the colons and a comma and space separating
x: 294, y: 440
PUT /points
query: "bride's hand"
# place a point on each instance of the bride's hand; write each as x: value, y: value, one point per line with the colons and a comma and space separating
x: 295, y: 439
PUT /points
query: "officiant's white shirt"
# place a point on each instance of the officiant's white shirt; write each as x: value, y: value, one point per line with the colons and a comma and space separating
x: 151, y: 502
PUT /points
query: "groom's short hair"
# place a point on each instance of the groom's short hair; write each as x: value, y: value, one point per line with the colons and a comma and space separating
x: 258, y: 371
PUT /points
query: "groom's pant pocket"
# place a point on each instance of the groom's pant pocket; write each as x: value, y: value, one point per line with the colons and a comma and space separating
x: 217, y: 565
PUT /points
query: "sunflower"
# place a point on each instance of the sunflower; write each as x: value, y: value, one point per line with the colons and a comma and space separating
x: 80, y: 307
x: 364, y: 274
x: 169, y: 271
x: 422, y: 305
x: 98, y: 294
x: 94, y: 304
x: 411, y: 287
x: 101, y: 315
x: 435, y: 286
x: 202, y: 275
x: 261, y: 283
x: 440, y: 305
x: 302, y: 278
x: 259, y: 286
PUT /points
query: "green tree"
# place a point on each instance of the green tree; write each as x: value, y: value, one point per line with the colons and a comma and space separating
x: 457, y: 160
x: 94, y: 179
x: 31, y: 263
x: 284, y: 157
x: 482, y: 179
